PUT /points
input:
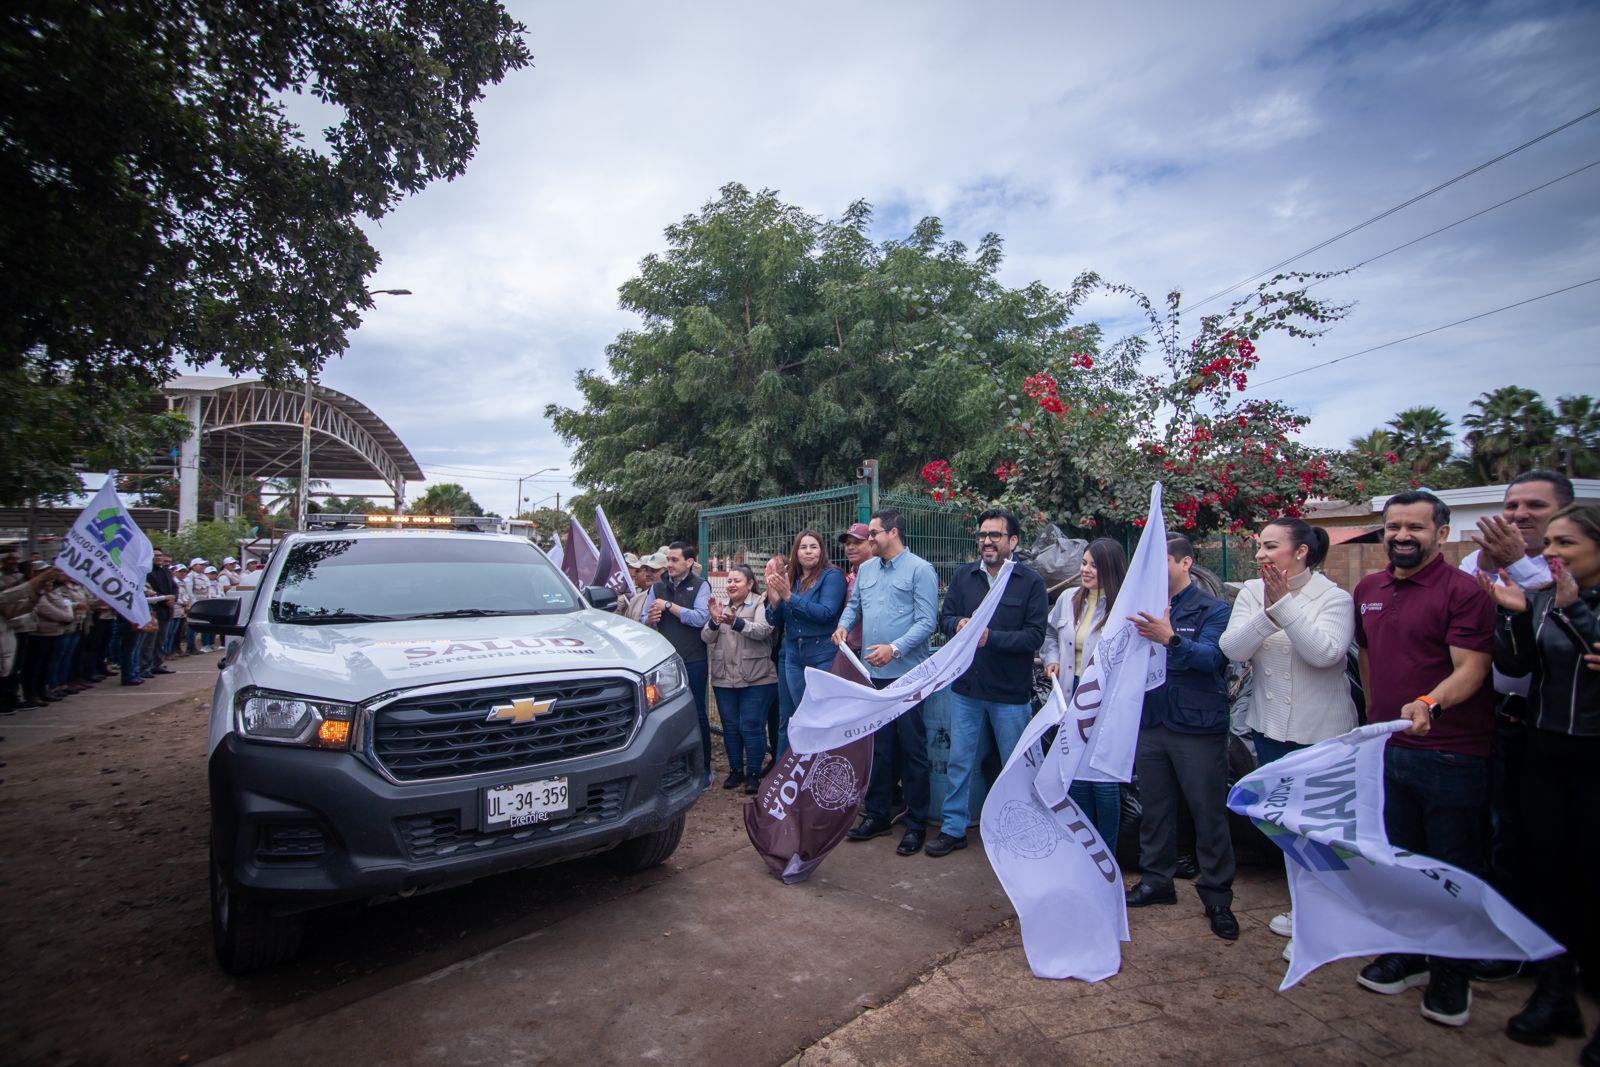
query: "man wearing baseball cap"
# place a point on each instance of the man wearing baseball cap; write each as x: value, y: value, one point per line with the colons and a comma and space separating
x: 857, y: 550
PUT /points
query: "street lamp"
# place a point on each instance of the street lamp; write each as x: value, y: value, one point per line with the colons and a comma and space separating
x: 305, y: 429
x: 517, y: 510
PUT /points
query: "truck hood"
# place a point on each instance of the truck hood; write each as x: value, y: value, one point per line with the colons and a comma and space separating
x: 357, y: 661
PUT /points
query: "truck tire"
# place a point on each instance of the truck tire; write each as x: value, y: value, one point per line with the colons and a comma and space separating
x: 247, y: 937
x: 650, y: 850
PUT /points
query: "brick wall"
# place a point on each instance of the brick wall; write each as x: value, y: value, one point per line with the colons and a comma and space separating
x: 1347, y: 564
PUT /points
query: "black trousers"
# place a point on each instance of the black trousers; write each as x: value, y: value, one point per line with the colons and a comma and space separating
x: 1194, y: 767
x: 1561, y: 795
x: 900, y: 752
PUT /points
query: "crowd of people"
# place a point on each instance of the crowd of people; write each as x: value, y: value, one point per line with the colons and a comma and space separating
x: 1495, y: 665
x: 57, y: 639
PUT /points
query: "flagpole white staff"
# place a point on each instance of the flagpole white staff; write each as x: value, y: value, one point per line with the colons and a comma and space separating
x: 107, y: 553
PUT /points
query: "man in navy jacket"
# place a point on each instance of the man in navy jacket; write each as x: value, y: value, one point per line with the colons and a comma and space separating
x: 1183, y: 747
x: 998, y: 688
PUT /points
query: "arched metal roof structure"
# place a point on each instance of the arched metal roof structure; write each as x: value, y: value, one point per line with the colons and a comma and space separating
x: 248, y: 429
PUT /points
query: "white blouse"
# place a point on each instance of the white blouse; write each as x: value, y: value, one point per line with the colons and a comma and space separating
x: 1296, y: 649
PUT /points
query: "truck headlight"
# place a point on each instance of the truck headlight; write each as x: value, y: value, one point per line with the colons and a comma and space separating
x: 664, y: 682
x: 264, y: 715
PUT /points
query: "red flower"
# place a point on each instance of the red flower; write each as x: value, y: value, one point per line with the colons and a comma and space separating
x: 1391, y: 457
x: 1006, y: 471
x: 1083, y: 360
x: 937, y: 472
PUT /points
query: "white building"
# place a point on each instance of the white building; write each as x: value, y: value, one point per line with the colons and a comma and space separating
x: 1467, y: 506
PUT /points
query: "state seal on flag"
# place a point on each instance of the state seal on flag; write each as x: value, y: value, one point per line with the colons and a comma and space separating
x: 1026, y: 831
x: 832, y: 783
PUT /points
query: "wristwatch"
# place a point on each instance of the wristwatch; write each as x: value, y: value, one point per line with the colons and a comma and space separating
x: 1174, y: 641
x: 894, y: 651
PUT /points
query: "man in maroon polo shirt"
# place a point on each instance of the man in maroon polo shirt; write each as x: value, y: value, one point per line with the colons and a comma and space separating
x: 1426, y: 632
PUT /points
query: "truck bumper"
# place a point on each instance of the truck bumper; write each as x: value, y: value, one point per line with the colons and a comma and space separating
x: 298, y: 828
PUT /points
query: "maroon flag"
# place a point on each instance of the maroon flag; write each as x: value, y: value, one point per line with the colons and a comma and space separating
x: 806, y: 803
x: 579, y: 557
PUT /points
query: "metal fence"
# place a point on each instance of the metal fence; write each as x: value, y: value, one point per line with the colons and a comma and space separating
x: 1232, y: 559
x: 937, y: 532
x: 755, y: 531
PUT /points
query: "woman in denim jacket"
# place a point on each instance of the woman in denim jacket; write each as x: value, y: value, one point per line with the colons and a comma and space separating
x: 807, y: 602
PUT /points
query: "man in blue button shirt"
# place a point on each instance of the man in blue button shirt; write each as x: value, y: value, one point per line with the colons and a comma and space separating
x: 895, y: 596
x: 1183, y: 747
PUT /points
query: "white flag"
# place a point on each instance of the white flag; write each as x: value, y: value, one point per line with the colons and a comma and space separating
x: 1353, y: 893
x: 835, y: 711
x: 109, y: 555
x: 555, y: 553
x: 1058, y: 872
x: 1105, y: 708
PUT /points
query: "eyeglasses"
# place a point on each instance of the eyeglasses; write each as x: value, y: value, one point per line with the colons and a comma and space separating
x: 991, y: 535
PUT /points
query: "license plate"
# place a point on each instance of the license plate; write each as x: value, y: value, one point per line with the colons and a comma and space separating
x: 524, y: 804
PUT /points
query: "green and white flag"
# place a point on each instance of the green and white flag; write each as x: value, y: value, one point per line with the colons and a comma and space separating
x: 1354, y: 893
x: 109, y: 555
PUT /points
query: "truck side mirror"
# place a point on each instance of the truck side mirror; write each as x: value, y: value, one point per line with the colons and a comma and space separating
x: 219, y: 615
x: 600, y: 597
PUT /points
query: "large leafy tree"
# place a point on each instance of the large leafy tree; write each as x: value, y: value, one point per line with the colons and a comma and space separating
x: 446, y: 498
x: 161, y: 208
x: 776, y: 350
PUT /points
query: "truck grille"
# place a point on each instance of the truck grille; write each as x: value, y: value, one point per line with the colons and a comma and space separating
x: 439, y: 833
x: 447, y: 736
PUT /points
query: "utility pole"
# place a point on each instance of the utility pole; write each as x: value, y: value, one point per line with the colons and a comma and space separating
x: 305, y: 457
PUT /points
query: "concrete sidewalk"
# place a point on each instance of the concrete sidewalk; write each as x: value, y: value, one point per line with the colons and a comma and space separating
x: 1182, y: 996
x: 107, y: 702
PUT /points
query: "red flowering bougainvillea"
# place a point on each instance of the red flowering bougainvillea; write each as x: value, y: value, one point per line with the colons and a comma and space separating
x: 1227, y: 462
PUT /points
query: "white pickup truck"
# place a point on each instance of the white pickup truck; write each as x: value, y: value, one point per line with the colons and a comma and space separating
x: 408, y: 709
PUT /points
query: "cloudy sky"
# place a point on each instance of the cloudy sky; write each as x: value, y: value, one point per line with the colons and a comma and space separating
x: 1172, y: 145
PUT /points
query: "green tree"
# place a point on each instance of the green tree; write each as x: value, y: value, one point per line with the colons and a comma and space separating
x: 1509, y: 430
x: 350, y: 505
x: 446, y: 498
x: 776, y: 350
x: 160, y: 208
x: 211, y: 541
x: 549, y: 524
x: 1422, y: 438
x: 283, y: 494
x: 1576, y: 443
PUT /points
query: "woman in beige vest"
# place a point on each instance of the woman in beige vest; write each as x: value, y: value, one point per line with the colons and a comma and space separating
x: 743, y: 676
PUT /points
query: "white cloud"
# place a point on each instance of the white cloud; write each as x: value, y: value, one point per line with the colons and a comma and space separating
x: 1185, y: 146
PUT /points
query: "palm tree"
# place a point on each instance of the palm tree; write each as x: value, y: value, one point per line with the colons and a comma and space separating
x: 447, y: 498
x: 1509, y: 431
x: 1373, y: 445
x: 1422, y: 438
x: 286, y: 491
x: 1576, y: 445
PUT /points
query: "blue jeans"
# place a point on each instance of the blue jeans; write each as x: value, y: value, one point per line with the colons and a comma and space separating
x: 967, y: 716
x: 744, y: 724
x: 796, y: 656
x: 1102, y: 802
x: 61, y: 659
x: 128, y: 653
x: 696, y: 670
x: 1269, y: 750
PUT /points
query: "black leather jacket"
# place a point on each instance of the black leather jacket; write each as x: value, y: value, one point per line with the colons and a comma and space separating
x: 1549, y: 643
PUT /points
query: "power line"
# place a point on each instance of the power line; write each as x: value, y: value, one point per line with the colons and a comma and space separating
x: 1399, y: 207
x: 1424, y: 333
x: 1468, y: 218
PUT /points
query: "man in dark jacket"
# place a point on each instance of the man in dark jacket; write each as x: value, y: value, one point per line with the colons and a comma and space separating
x: 1183, y: 747
x: 160, y: 579
x: 998, y: 688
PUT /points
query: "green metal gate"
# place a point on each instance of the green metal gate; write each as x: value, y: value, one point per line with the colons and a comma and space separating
x: 755, y: 531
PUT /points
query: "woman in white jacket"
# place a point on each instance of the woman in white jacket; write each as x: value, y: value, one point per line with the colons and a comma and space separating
x: 1293, y: 626
x: 1072, y: 631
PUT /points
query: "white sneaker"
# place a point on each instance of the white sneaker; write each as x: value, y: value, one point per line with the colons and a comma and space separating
x: 1282, y: 925
x: 1288, y: 951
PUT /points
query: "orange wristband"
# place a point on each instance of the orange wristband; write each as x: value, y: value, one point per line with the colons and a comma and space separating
x: 1433, y: 705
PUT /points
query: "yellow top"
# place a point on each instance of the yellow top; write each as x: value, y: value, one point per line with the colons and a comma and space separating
x: 1086, y: 611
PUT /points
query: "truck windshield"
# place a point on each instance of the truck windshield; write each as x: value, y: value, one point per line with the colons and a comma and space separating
x: 391, y: 578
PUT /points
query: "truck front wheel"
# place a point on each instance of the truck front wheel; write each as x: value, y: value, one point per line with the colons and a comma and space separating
x: 649, y: 850
x: 246, y: 936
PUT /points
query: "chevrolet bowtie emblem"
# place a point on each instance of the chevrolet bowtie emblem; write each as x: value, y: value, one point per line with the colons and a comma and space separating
x: 523, y: 709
